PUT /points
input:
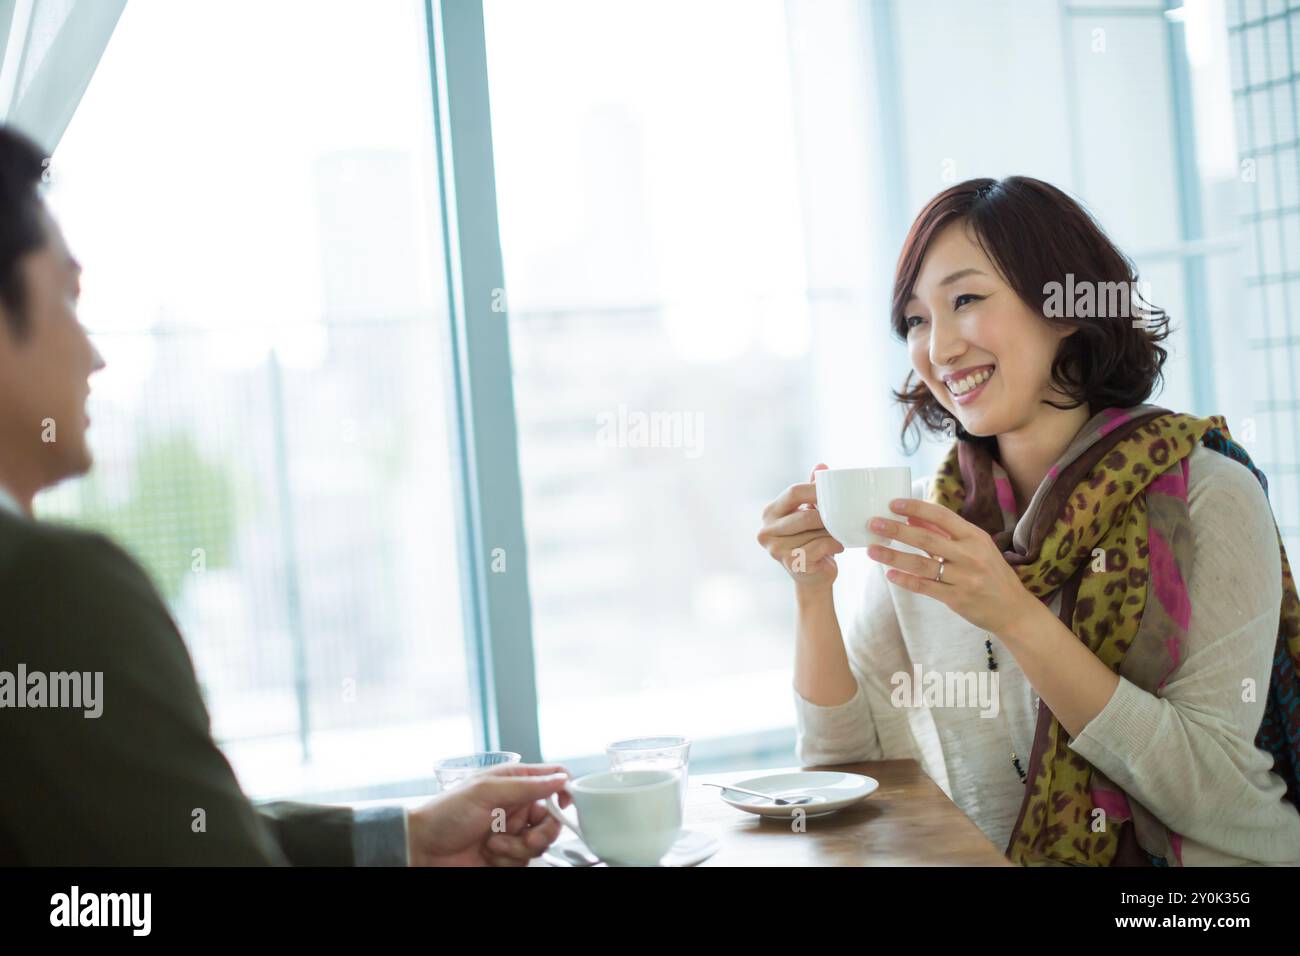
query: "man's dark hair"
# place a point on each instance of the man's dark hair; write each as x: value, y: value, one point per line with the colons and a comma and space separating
x: 1035, y: 235
x: 22, y: 229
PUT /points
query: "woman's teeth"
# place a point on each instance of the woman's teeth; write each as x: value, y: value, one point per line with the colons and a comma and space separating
x: 964, y: 385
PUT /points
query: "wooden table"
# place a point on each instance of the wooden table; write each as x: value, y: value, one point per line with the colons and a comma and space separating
x: 908, y: 821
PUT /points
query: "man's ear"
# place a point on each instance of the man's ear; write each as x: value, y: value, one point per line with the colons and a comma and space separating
x: 11, y: 337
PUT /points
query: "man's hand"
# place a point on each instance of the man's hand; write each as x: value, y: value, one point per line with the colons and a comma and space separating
x: 494, y: 818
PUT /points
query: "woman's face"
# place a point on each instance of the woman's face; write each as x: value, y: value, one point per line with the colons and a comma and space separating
x: 964, y: 324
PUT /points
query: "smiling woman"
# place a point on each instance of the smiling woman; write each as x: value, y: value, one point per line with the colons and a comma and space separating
x: 987, y: 254
x: 1116, y: 564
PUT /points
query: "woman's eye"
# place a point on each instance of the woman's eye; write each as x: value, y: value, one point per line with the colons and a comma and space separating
x: 908, y: 321
x: 957, y: 302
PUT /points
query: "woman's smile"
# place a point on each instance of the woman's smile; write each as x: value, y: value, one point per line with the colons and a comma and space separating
x: 965, y: 390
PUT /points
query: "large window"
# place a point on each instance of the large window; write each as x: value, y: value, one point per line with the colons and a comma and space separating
x: 654, y: 260
x: 251, y: 188
x: 1264, y: 40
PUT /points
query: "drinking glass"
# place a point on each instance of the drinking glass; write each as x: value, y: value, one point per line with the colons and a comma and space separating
x: 451, y: 771
x: 654, y: 753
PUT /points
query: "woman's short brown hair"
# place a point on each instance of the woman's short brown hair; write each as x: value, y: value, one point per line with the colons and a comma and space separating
x: 1036, y: 235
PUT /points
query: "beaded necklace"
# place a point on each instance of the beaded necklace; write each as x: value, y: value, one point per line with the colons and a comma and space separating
x: 993, y: 666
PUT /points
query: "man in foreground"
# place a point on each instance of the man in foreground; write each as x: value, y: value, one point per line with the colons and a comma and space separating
x: 137, y: 780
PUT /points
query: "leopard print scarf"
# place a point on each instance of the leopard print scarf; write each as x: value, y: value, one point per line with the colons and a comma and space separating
x: 1110, y: 527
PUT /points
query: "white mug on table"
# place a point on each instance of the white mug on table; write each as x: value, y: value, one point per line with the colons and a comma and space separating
x: 627, y: 818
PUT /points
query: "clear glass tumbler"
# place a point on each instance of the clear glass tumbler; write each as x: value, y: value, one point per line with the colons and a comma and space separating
x: 453, y: 770
x: 654, y: 753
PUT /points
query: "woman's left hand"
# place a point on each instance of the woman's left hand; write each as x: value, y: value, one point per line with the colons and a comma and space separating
x: 978, y: 583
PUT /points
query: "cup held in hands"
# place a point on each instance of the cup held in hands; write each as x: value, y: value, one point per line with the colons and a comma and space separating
x: 848, y: 498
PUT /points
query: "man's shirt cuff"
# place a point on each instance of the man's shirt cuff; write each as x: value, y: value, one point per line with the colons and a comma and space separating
x: 379, y: 836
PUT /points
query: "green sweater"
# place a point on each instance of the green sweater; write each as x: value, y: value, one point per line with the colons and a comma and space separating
x: 142, y: 784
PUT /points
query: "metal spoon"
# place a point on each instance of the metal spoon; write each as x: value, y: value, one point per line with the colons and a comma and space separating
x: 779, y: 801
x: 576, y: 857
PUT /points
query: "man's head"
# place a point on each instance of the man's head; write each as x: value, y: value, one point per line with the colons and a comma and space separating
x: 46, y: 357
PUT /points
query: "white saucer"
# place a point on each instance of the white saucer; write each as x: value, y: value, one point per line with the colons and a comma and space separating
x: 830, y: 790
x: 691, y: 848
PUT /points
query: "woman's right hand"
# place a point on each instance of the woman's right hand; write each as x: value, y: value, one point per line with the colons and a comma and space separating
x: 794, y: 535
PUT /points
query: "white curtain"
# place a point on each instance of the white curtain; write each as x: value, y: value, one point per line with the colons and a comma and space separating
x: 49, y: 50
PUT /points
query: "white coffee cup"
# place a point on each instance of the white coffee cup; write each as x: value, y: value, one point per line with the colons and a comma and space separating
x: 848, y: 498
x: 627, y: 817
